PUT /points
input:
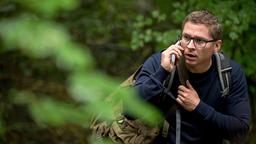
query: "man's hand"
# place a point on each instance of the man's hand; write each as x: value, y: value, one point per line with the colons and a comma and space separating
x: 175, y: 49
x: 187, y: 97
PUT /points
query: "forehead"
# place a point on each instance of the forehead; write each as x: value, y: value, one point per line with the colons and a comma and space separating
x: 196, y: 30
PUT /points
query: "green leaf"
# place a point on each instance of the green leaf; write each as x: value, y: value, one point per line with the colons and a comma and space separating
x: 57, y: 113
x: 155, y: 14
x: 140, y: 18
x: 72, y: 57
x: 38, y: 38
x: 90, y: 87
x: 233, y: 35
x: 148, y: 21
x: 49, y: 7
x: 140, y: 109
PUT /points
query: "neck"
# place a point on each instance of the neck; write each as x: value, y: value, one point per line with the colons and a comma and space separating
x: 200, y: 68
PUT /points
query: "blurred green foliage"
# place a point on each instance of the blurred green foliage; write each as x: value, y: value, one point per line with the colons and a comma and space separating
x: 56, y: 58
x: 35, y: 34
x: 47, y: 8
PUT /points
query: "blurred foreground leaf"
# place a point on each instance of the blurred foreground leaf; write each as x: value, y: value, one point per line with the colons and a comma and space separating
x: 48, y: 7
x: 42, y: 39
x: 47, y: 111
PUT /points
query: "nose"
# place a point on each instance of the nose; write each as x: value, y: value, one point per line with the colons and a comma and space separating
x: 191, y: 44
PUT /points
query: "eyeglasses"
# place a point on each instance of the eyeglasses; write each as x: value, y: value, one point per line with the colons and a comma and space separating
x: 198, y: 42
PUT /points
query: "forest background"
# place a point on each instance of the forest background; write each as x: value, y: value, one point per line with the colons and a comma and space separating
x: 60, y: 58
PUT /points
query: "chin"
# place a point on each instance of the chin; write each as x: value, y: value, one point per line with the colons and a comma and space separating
x: 191, y: 63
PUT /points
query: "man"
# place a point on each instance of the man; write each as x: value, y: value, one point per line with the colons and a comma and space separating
x: 206, y: 116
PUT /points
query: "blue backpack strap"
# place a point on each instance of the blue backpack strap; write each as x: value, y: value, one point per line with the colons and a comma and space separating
x: 224, y: 72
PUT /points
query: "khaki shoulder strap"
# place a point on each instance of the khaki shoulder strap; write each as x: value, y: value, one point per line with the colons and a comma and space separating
x: 130, y: 81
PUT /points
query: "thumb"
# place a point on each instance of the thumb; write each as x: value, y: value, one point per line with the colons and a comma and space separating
x: 189, y: 85
x: 177, y: 43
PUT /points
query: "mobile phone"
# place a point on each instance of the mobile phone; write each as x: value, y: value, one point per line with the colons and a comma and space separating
x: 173, y: 57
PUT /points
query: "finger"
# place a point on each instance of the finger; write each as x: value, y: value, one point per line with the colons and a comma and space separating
x: 179, y: 101
x: 181, y: 92
x: 189, y: 85
x: 181, y: 97
x: 177, y: 43
x: 178, y: 52
x: 183, y: 88
x: 179, y: 46
x: 175, y: 51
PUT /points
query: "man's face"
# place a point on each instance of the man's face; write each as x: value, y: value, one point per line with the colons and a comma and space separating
x: 196, y: 56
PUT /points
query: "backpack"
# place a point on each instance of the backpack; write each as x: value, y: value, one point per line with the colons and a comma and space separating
x: 121, y: 129
x: 126, y: 131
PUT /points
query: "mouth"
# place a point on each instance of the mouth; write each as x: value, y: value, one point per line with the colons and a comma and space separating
x: 190, y: 57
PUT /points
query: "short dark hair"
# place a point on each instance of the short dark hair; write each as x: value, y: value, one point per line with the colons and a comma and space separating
x: 206, y: 18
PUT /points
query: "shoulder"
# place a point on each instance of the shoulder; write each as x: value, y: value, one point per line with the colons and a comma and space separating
x: 238, y: 79
x: 153, y: 60
x: 236, y: 68
x: 155, y: 57
x: 236, y: 73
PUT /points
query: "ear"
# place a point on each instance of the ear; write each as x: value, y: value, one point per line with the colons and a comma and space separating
x: 217, y: 45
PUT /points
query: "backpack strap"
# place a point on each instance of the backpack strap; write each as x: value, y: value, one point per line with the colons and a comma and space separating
x: 130, y: 81
x: 183, y: 77
x: 224, y: 72
x: 166, y: 125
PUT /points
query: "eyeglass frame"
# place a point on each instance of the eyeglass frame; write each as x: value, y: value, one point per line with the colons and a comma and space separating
x: 197, y: 38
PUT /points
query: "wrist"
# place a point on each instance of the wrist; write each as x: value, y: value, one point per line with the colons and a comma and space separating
x: 196, y: 104
x: 167, y: 67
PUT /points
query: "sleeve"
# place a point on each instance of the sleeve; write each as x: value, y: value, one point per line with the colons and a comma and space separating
x: 234, y: 122
x: 150, y: 80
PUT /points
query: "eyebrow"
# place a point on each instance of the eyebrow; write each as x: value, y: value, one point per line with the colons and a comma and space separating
x: 196, y: 37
